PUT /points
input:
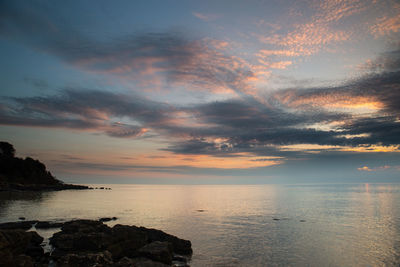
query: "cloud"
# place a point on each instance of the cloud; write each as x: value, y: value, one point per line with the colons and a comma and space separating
x: 180, y: 60
x: 321, y: 30
x: 323, y: 116
x: 368, y: 169
x: 387, y: 24
x: 359, y: 113
x: 88, y: 110
x: 206, y: 17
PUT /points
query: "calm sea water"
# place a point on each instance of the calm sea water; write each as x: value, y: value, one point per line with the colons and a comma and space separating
x: 319, y: 225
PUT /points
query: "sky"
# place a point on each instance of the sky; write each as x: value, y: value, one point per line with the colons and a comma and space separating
x: 203, y: 91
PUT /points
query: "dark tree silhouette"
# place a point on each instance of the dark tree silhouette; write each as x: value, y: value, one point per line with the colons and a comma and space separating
x: 27, y: 174
x: 7, y: 150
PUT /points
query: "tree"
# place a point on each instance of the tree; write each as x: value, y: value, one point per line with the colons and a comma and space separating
x: 7, y: 150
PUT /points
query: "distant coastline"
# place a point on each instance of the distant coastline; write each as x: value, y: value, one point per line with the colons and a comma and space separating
x: 18, y: 174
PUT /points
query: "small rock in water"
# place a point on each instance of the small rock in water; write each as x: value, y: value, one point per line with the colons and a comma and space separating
x: 107, y: 219
x: 276, y: 219
x: 21, y: 218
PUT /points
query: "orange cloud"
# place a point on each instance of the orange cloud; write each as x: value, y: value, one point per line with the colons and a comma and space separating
x: 368, y: 169
x: 287, y: 53
x: 321, y: 30
x: 386, y: 25
x: 331, y: 100
x: 276, y: 65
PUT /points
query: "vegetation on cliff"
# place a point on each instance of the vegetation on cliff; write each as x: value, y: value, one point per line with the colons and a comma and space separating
x: 26, y: 174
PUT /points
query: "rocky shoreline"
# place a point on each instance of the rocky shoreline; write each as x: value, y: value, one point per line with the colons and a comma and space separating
x: 91, y: 243
x: 42, y: 187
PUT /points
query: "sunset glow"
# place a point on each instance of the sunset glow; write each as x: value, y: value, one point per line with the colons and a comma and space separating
x: 206, y: 89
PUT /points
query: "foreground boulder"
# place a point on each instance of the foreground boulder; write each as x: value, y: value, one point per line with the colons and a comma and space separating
x: 82, y: 242
x: 18, y: 246
x: 85, y: 243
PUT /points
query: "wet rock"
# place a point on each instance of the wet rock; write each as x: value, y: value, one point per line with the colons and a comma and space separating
x: 144, y: 262
x: 124, y: 262
x: 179, y: 258
x: 276, y: 219
x: 81, y: 237
x: 48, y: 225
x: 84, y: 226
x: 18, y: 242
x: 107, y: 219
x: 79, y: 241
x: 180, y: 246
x: 126, y: 240
x: 23, y: 225
x: 158, y: 251
x: 87, y: 259
x: 23, y: 260
x: 22, y: 218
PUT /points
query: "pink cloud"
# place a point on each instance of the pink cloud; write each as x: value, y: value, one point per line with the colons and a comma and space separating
x: 205, y: 17
x: 368, y: 169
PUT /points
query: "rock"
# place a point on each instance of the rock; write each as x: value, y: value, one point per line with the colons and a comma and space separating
x: 124, y: 262
x: 84, y: 226
x: 302, y: 220
x: 91, y: 243
x: 48, y: 225
x: 179, y: 258
x: 276, y: 219
x: 126, y: 240
x: 24, y: 225
x: 158, y: 251
x: 144, y: 262
x: 23, y: 260
x: 84, y: 260
x: 34, y: 251
x: 18, y: 242
x: 180, y: 246
x: 79, y: 241
x: 200, y: 210
x: 21, y: 218
x: 35, y: 238
x: 86, y: 236
x: 107, y: 219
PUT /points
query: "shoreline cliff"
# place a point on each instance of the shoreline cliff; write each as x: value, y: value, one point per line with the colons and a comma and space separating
x: 18, y: 174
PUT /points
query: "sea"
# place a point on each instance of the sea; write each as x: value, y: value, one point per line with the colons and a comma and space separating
x: 242, y: 225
